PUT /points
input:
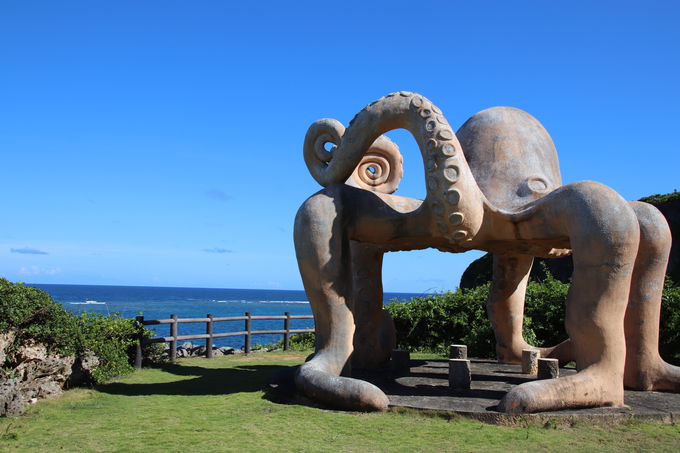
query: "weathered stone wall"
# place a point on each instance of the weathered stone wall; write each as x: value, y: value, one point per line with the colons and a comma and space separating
x: 29, y: 374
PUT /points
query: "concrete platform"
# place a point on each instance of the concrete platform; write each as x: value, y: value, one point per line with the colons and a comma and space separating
x: 426, y: 387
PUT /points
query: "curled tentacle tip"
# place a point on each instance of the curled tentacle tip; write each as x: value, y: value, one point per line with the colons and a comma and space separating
x: 380, y: 406
x: 380, y: 169
x: 339, y: 392
x: 372, y: 399
x: 317, y: 156
x: 515, y: 402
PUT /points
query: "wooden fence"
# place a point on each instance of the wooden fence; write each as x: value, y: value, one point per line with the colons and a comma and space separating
x: 209, y: 334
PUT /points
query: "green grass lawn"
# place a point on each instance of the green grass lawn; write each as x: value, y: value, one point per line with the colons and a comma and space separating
x: 217, y: 405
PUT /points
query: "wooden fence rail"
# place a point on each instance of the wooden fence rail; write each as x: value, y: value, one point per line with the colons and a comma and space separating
x: 209, y: 334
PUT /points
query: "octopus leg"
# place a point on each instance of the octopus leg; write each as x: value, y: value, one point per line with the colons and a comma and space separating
x: 505, y: 306
x: 375, y: 336
x: 604, y: 235
x: 645, y: 369
x: 324, y: 228
x: 505, y: 309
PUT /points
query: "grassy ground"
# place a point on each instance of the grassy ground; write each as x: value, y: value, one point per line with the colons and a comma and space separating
x: 219, y: 405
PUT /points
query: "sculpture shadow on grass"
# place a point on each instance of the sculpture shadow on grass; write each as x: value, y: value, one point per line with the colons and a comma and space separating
x: 199, y: 381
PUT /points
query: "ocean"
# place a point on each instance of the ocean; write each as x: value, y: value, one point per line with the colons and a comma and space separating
x: 161, y: 302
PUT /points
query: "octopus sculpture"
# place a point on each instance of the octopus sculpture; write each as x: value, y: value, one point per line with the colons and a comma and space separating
x: 495, y: 185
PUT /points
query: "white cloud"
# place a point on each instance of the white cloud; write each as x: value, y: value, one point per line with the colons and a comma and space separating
x: 36, y: 270
x: 28, y: 251
x: 217, y: 250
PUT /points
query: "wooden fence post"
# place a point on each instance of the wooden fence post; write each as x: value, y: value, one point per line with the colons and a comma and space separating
x: 140, y: 337
x: 286, y: 327
x: 209, y: 340
x: 248, y: 330
x: 173, y: 334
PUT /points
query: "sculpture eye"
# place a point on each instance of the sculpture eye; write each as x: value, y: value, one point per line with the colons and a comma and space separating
x: 329, y: 146
x: 537, y: 184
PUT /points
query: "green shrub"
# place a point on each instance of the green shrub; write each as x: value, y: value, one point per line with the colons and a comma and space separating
x: 544, y: 310
x: 299, y: 342
x: 302, y: 341
x: 659, y: 199
x: 111, y: 339
x: 430, y: 324
x: 669, y: 332
x: 34, y: 315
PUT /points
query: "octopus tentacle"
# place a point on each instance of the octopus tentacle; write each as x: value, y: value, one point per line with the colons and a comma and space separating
x: 380, y: 169
x: 453, y: 197
x: 340, y: 392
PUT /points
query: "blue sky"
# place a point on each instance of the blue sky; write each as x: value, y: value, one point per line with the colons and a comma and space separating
x: 160, y: 142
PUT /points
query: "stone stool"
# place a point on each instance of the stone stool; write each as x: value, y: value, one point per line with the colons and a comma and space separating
x: 548, y: 369
x: 457, y: 351
x: 530, y: 361
x: 460, y: 376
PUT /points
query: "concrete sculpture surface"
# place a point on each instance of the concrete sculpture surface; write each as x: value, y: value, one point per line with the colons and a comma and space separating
x: 495, y: 185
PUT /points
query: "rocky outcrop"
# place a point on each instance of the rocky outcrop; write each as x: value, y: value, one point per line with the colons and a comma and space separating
x: 6, y: 340
x: 479, y: 271
x: 30, y: 374
x: 189, y: 349
x: 81, y: 371
x: 11, y: 402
